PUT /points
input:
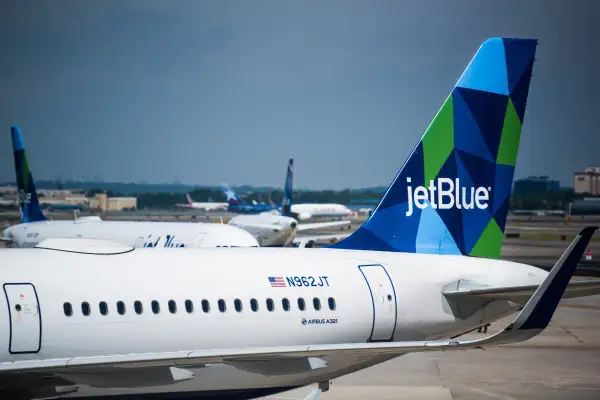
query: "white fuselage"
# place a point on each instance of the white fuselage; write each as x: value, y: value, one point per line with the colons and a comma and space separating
x: 267, y: 228
x: 208, y: 206
x: 203, y: 299
x: 307, y: 211
x: 138, y: 234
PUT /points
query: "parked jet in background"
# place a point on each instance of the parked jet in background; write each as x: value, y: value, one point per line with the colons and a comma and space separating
x: 206, y: 206
x: 35, y: 227
x: 238, y: 205
x: 275, y: 319
x: 275, y: 228
x: 306, y: 211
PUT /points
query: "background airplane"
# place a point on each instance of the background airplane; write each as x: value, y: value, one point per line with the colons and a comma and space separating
x: 275, y: 228
x: 306, y: 211
x: 34, y: 226
x: 206, y: 206
x: 237, y: 205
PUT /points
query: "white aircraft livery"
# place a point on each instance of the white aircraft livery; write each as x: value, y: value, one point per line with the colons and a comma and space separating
x: 35, y: 227
x: 305, y: 211
x: 278, y: 228
x: 250, y: 322
x: 206, y: 206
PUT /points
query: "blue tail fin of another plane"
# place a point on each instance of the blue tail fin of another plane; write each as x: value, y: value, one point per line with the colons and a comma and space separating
x: 286, y: 204
x: 232, y: 198
x: 31, y: 210
x: 452, y: 194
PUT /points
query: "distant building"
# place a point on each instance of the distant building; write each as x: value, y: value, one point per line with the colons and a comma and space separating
x: 587, y: 181
x: 104, y: 203
x: 534, y: 186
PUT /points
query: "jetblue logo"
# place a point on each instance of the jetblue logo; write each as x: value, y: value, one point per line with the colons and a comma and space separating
x: 445, y: 195
x: 169, y: 242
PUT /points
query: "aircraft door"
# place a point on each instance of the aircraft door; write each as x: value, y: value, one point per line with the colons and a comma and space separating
x: 25, y: 321
x: 383, y: 297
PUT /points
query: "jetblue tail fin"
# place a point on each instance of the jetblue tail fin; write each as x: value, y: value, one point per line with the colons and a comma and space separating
x: 28, y: 199
x: 452, y: 194
x: 286, y: 204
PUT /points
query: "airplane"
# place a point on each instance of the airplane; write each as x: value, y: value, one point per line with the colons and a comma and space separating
x: 249, y: 322
x: 206, y: 206
x: 35, y: 227
x: 278, y: 229
x: 306, y: 211
x: 238, y: 205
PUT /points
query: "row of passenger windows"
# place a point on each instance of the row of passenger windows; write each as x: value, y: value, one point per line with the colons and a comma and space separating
x: 138, y: 307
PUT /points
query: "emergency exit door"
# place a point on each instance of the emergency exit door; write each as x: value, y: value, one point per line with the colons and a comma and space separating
x: 383, y: 297
x: 25, y: 334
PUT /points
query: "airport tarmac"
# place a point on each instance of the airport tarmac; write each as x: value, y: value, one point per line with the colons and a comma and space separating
x: 563, y: 362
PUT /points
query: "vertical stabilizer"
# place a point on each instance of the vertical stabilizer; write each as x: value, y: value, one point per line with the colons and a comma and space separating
x: 452, y: 194
x: 31, y: 210
x: 286, y: 204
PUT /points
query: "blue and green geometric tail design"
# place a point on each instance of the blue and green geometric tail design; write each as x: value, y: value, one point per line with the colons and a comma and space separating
x: 452, y: 194
x: 28, y: 199
x: 286, y: 203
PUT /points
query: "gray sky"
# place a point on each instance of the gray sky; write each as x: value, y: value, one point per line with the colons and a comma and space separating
x: 215, y: 91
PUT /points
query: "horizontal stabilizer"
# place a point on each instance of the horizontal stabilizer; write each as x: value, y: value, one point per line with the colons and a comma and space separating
x: 533, y: 319
x: 520, y: 294
x: 322, y: 225
x: 325, y: 238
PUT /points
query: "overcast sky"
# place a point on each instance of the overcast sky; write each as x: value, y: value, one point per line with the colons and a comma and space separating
x: 215, y: 91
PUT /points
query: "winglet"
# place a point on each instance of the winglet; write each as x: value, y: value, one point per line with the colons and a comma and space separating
x: 540, y: 308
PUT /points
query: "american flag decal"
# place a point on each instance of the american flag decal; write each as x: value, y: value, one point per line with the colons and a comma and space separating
x: 277, y: 281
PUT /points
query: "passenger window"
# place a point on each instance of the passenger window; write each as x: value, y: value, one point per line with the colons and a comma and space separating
x: 286, y: 304
x: 254, y: 305
x: 68, y: 309
x: 317, y: 304
x: 189, y: 306
x: 85, y: 308
x: 172, y: 306
x: 205, y: 306
x: 155, y: 306
x: 103, y: 308
x: 270, y: 305
x: 222, y: 305
x: 301, y: 304
x: 120, y: 307
x: 331, y: 302
x: 238, y: 305
x: 137, y: 306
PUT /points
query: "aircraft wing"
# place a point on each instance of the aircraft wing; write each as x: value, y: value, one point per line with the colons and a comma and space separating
x: 321, y: 225
x: 520, y: 294
x: 533, y: 319
x: 6, y: 240
x: 275, y: 228
x: 330, y: 238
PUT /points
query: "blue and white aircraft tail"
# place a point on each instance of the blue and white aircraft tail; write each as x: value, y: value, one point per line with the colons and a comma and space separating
x: 452, y: 194
x: 236, y: 204
x: 31, y: 211
x: 286, y: 203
